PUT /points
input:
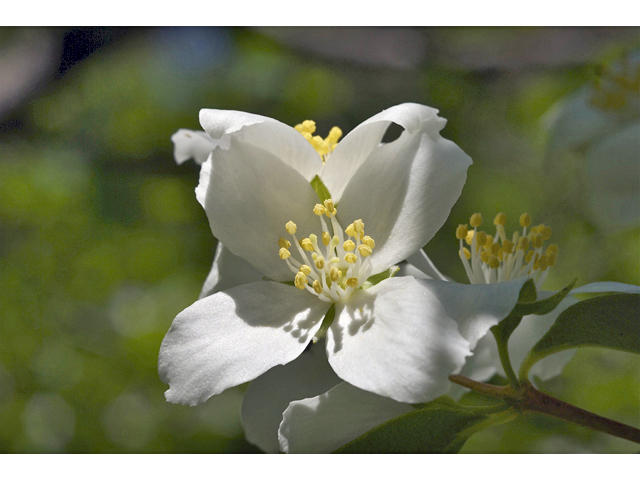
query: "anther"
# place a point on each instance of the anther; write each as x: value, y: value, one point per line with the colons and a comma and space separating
x: 352, y: 282
x: 364, y: 250
x: 305, y: 269
x: 462, y: 231
x: 349, y: 246
x: 306, y: 244
x: 350, y: 258
x: 317, y: 287
x: 300, y: 280
x: 326, y: 238
x: 545, y: 232
x: 481, y: 238
x: 291, y: 227
x: 328, y: 205
x: 467, y: 253
x: 501, y: 219
x: 350, y: 230
x: 284, y: 253
x: 335, y: 274
x: 319, y: 210
x: 494, y: 262
x: 284, y: 243
x: 319, y: 262
x: 525, y: 220
x: 369, y: 242
x: 358, y: 226
x: 476, y: 220
x: 537, y: 240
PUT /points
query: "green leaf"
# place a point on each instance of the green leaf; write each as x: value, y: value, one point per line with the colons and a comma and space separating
x: 378, y: 277
x: 610, y: 321
x: 321, y: 190
x: 441, y: 426
x: 540, y: 307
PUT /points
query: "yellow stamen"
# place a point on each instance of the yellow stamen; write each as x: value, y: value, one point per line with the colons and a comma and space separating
x: 319, y: 262
x: 317, y: 287
x: 291, y: 228
x: 335, y: 274
x: 350, y: 258
x: 349, y: 246
x: 525, y: 220
x: 326, y: 238
x: 306, y: 245
x: 284, y: 253
x: 305, y: 269
x: 284, y: 243
x: 467, y: 253
x: 350, y: 230
x: 352, y: 282
x: 364, y: 250
x: 319, y: 210
x: 328, y: 205
x: 358, y: 226
x: 501, y: 219
x: 369, y: 242
x: 300, y: 280
x: 462, y: 231
x: 476, y: 220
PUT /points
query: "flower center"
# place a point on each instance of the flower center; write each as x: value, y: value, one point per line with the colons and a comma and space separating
x: 617, y: 86
x: 324, y: 146
x: 498, y: 259
x: 334, y: 270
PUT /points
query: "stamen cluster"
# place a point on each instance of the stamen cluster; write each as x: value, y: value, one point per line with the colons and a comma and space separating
x: 324, y: 146
x: 491, y: 259
x: 617, y: 86
x: 334, y: 270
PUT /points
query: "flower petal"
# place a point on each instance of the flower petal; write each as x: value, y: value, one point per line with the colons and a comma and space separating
x: 191, y: 144
x: 422, y: 262
x: 476, y: 308
x: 271, y: 135
x: 234, y: 336
x: 324, y: 423
x: 269, y: 395
x: 404, y: 192
x: 228, y: 271
x: 358, y: 144
x: 573, y: 122
x: 249, y: 195
x: 395, y: 339
x: 614, y: 177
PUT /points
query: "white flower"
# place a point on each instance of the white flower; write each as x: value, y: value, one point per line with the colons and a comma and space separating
x: 394, y: 338
x: 600, y: 124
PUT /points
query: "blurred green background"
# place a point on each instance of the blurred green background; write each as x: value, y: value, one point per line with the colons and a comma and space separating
x: 102, y: 241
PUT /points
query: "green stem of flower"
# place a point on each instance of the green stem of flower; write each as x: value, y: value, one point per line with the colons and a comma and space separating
x: 504, y: 358
x: 526, y: 398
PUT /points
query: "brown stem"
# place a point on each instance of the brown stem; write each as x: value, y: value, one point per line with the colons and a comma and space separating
x: 529, y: 399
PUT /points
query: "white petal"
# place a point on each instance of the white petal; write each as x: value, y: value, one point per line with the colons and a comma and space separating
x: 249, y: 195
x: 358, y: 144
x: 480, y: 366
x: 234, y: 336
x: 327, y: 422
x: 269, y: 395
x: 529, y: 332
x: 606, y: 287
x: 228, y: 271
x: 271, y: 135
x: 476, y: 308
x: 422, y: 262
x: 613, y: 167
x: 191, y: 144
x: 395, y: 339
x: 404, y: 192
x: 573, y: 122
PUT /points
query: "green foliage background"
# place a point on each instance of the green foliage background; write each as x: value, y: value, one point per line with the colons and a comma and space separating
x: 102, y: 241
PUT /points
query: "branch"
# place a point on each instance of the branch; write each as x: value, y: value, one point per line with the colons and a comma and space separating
x: 529, y: 399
